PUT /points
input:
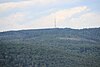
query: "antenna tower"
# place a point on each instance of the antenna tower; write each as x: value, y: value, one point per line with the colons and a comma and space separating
x: 55, y: 22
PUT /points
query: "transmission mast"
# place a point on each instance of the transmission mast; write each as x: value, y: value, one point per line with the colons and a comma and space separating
x: 55, y: 22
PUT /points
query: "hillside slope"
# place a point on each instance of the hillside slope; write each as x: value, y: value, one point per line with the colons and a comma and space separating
x: 50, y: 48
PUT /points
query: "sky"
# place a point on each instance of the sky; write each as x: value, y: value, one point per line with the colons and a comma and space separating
x: 40, y: 14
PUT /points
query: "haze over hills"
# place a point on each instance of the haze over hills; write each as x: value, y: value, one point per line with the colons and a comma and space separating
x: 56, y: 47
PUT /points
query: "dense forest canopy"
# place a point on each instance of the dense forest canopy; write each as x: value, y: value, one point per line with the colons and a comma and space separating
x: 58, y: 47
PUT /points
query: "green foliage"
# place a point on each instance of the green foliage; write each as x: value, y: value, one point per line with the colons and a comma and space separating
x: 50, y: 48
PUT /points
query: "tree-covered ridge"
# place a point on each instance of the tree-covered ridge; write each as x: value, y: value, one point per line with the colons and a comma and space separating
x: 50, y: 48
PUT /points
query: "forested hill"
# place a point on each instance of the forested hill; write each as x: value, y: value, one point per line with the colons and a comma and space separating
x: 57, y: 47
x: 92, y: 34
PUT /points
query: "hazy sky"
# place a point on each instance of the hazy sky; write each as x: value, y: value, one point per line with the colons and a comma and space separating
x: 36, y: 14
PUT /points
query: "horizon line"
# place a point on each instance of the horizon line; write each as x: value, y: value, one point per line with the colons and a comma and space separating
x: 48, y: 28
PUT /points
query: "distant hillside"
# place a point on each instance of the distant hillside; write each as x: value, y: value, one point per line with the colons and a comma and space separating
x: 58, y: 47
x: 92, y: 34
